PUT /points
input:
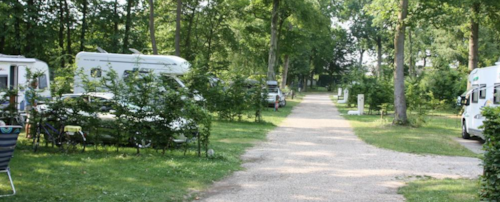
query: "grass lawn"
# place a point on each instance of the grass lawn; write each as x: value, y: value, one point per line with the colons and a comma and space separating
x: 434, y: 137
x: 428, y: 190
x: 107, y: 175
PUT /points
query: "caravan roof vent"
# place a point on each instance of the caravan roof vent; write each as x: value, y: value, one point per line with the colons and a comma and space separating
x: 101, y: 50
x: 11, y: 56
x: 135, y: 51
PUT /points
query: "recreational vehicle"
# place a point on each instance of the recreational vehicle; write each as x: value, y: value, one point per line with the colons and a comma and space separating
x: 13, y: 71
x: 95, y: 66
x: 485, y: 91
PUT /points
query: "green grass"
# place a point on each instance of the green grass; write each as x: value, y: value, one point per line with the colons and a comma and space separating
x: 434, y: 137
x: 432, y: 190
x: 107, y: 175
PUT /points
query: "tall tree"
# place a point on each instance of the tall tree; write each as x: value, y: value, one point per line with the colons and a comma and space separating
x: 152, y: 26
x: 128, y: 23
x: 61, y: 29
x: 68, y: 26
x: 399, y: 82
x: 274, y: 42
x: 116, y: 21
x: 178, y: 28
x: 474, y: 36
x: 84, y: 25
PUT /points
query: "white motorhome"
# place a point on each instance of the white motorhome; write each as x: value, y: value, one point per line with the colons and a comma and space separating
x: 13, y: 69
x: 485, y: 91
x: 95, y: 66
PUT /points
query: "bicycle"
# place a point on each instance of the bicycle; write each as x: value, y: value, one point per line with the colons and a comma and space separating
x: 64, y: 135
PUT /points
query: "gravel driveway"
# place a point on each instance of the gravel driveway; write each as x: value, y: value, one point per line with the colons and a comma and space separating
x: 315, y: 156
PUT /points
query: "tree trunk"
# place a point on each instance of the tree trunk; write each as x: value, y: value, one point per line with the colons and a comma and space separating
x: 187, y: 44
x: 379, y: 56
x: 285, y: 71
x: 178, y: 28
x: 116, y: 20
x: 29, y: 30
x: 68, y: 33
x: 425, y: 60
x: 2, y: 37
x: 312, y: 78
x: 84, y: 25
x: 152, y: 26
x: 399, y: 81
x: 127, y: 25
x: 362, y: 52
x: 474, y: 37
x: 274, y: 42
x: 17, y: 28
x: 61, y: 30
x: 411, y: 66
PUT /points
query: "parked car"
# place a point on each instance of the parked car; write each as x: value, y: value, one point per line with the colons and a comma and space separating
x: 104, y: 103
x: 275, y: 93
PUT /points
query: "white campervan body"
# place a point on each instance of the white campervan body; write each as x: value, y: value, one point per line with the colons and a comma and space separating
x: 13, y: 69
x: 485, y: 91
x: 95, y: 65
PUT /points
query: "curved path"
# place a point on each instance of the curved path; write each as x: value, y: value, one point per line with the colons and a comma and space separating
x: 315, y: 156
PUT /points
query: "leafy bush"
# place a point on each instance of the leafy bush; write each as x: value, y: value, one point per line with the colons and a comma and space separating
x: 147, y: 111
x: 444, y: 85
x: 229, y: 100
x: 490, y: 181
x: 377, y: 92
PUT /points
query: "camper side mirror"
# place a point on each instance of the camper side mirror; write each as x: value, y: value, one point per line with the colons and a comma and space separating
x: 464, y: 101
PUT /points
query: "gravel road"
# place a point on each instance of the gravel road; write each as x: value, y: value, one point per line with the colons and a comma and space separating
x: 315, y: 156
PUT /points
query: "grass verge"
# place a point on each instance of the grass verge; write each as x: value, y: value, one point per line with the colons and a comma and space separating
x: 434, y: 137
x: 103, y: 174
x: 432, y: 190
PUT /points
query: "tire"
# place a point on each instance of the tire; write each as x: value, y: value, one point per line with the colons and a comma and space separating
x: 465, y: 135
x: 283, y: 103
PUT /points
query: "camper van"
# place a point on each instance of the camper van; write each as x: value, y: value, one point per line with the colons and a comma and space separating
x: 95, y: 66
x: 13, y: 69
x: 484, y: 91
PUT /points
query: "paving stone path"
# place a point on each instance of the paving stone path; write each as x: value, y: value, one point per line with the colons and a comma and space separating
x: 315, y: 156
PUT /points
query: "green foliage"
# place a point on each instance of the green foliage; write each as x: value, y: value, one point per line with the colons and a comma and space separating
x: 444, y: 85
x: 377, y: 92
x: 490, y: 181
x: 229, y: 100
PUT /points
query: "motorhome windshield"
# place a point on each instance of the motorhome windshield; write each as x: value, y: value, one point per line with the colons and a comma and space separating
x: 273, y: 90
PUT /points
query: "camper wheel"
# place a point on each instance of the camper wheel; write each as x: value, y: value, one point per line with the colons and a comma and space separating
x: 465, y: 135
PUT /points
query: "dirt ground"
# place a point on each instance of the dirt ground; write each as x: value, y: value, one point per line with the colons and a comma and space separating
x: 315, y: 156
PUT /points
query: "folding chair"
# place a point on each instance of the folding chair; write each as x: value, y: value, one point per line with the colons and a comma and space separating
x: 8, y: 140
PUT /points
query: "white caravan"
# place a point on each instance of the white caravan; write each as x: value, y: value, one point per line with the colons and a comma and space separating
x: 13, y: 69
x: 485, y: 91
x: 95, y: 66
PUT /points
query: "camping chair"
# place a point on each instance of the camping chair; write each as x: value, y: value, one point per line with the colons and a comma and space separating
x: 8, y: 139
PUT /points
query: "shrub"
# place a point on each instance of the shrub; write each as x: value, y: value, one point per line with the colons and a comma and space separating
x: 490, y: 181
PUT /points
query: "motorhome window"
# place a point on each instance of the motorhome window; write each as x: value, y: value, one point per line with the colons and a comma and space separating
x: 482, y: 91
x: 42, y: 82
x: 3, y: 82
x: 96, y: 72
x: 496, y: 95
x: 273, y: 90
x: 475, y: 95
